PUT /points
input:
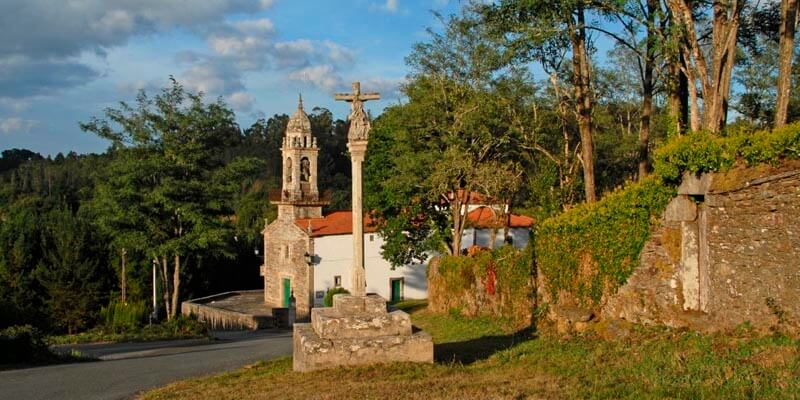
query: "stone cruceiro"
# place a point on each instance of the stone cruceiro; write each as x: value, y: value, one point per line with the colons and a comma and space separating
x: 358, y: 330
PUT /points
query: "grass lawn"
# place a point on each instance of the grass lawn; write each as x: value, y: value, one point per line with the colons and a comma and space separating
x: 478, y: 358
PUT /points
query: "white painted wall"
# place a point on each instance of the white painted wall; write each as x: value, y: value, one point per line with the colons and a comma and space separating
x: 482, y: 237
x: 335, y: 257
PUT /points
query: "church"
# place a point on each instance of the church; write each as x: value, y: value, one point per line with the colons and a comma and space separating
x: 308, y: 253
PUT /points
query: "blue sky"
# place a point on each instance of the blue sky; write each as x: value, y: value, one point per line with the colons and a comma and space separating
x: 62, y: 62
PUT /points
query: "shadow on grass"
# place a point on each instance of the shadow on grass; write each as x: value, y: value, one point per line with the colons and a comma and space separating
x: 470, y: 351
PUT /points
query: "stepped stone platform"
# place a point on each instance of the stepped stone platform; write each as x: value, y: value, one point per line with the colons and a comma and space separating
x: 235, y: 311
x: 358, y: 331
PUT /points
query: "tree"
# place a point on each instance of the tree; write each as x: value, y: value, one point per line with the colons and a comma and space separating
x: 756, y: 69
x: 529, y: 29
x: 182, y: 184
x: 789, y: 17
x: 714, y: 79
x: 70, y: 270
x: 453, y: 138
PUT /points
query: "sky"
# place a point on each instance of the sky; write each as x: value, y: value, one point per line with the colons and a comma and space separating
x: 65, y: 61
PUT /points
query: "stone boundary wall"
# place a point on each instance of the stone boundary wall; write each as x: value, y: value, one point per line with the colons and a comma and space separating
x: 223, y: 319
x: 481, y: 284
x: 725, y: 253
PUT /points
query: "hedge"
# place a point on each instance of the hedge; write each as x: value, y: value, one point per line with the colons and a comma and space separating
x: 703, y: 152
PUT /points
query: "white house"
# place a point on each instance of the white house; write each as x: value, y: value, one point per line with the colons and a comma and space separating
x: 308, y: 253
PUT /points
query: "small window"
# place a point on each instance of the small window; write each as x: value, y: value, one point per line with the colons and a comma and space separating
x: 371, y: 238
x: 286, y: 252
x: 337, y: 281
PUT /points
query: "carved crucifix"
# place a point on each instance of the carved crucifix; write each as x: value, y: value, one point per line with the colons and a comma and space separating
x: 359, y: 121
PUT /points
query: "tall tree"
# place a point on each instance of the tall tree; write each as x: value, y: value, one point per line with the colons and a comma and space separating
x: 529, y: 29
x: 70, y: 270
x: 186, y: 184
x: 714, y: 79
x: 789, y: 17
x: 441, y: 147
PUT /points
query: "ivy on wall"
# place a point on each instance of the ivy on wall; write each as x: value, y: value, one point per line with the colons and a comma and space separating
x: 490, y: 282
x: 593, y: 248
x: 703, y: 152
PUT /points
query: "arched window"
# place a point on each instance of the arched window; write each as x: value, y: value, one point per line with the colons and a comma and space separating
x: 305, y: 169
x: 288, y: 170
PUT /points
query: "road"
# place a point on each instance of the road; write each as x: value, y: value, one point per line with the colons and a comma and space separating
x: 127, y: 369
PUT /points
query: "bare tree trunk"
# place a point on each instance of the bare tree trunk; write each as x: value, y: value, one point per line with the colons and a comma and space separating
x: 786, y: 50
x: 165, y: 292
x: 460, y: 201
x: 694, y: 108
x: 124, y: 277
x: 715, y: 81
x: 583, y: 102
x: 647, y: 91
x: 176, y: 285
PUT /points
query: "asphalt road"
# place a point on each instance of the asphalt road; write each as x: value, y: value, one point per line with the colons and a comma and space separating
x: 129, y: 368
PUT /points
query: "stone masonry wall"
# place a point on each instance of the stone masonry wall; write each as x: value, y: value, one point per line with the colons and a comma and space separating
x: 726, y: 252
x: 280, y: 237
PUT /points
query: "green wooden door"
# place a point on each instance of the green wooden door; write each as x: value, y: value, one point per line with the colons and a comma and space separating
x: 397, y: 286
x: 287, y: 291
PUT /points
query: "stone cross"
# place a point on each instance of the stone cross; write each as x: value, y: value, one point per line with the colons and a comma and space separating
x: 359, y: 121
x: 357, y: 138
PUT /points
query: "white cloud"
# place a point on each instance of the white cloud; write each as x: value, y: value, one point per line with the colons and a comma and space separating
x: 388, y: 88
x: 324, y: 77
x: 212, y: 78
x: 49, y: 36
x: 15, y: 105
x: 16, y: 125
x: 390, y: 6
x: 241, y: 101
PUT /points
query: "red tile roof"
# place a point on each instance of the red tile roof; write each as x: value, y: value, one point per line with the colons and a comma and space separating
x: 335, y: 223
x: 341, y: 222
x: 485, y: 217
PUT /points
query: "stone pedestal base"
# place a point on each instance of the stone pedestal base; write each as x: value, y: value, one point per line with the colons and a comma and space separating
x: 358, y: 331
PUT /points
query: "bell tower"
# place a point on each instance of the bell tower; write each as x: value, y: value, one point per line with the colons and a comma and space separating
x: 299, y: 192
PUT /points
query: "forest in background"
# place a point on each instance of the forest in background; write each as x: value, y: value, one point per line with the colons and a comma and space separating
x: 69, y: 221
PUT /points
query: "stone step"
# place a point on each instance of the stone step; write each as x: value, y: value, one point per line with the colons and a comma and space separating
x: 347, y: 304
x: 312, y: 352
x: 330, y: 323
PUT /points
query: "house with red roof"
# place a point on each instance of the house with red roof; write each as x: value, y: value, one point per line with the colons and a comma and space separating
x: 307, y: 253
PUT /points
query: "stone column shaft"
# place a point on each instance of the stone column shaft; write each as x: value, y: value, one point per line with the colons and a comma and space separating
x: 358, y: 149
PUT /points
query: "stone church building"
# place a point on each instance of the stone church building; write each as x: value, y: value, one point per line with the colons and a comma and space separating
x: 307, y: 253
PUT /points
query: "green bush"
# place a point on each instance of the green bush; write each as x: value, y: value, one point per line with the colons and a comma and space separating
x: 180, y: 326
x: 595, y: 247
x: 19, y: 344
x: 328, y: 300
x: 119, y: 317
x: 703, y: 152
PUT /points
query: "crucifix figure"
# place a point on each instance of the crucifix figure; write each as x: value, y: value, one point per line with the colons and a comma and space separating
x: 359, y: 121
x: 357, y: 144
